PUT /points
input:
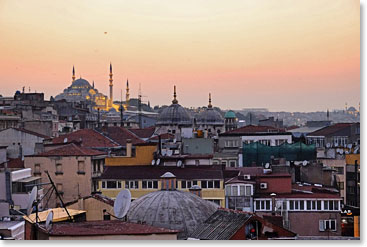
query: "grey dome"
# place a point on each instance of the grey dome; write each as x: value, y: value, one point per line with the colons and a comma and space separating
x: 175, y: 114
x: 80, y: 83
x: 210, y: 117
x: 172, y: 209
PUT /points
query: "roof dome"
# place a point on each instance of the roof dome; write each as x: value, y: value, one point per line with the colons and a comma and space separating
x: 352, y: 109
x: 230, y: 114
x: 211, y: 117
x: 175, y: 114
x: 171, y: 209
x: 80, y: 83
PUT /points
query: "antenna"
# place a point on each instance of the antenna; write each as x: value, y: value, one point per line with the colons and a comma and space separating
x: 31, y: 200
x: 122, y: 203
x: 49, y: 218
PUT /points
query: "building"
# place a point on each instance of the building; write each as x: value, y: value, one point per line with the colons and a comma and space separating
x: 271, y: 122
x: 142, y: 180
x: 72, y: 168
x: 210, y: 121
x: 105, y: 230
x: 230, y: 121
x: 175, y: 120
x: 11, y: 230
x: 20, y: 142
x: 171, y: 208
x: 80, y: 91
x: 227, y: 224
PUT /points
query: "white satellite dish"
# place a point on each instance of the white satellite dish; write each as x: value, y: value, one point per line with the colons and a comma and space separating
x: 153, y: 162
x: 350, y: 145
x: 267, y: 166
x: 65, y: 140
x: 174, y: 140
x: 158, y: 162
x: 49, y: 220
x: 31, y: 200
x: 328, y: 145
x: 122, y: 203
x: 169, y: 152
x: 164, y: 152
x: 304, y: 163
x: 179, y: 163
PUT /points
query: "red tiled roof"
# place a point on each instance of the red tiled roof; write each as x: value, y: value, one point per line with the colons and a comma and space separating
x: 252, y: 129
x: 32, y: 133
x: 14, y: 163
x: 120, y: 135
x: 88, y: 137
x: 330, y: 130
x: 163, y: 137
x: 105, y: 227
x: 70, y: 150
x: 143, y: 133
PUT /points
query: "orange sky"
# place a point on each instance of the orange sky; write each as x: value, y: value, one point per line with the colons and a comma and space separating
x: 288, y: 55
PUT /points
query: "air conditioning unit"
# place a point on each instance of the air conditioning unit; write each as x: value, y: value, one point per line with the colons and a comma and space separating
x: 263, y: 186
x: 246, y: 177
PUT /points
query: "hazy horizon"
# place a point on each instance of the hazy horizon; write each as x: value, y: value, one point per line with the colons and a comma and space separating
x: 282, y: 55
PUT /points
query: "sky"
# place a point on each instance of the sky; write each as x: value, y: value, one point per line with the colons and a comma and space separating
x: 286, y: 55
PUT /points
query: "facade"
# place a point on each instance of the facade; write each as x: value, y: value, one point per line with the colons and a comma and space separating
x: 71, y: 168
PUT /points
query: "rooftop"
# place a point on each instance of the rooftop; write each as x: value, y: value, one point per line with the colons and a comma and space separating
x: 120, y: 135
x: 331, y: 130
x: 70, y: 150
x: 252, y: 129
x: 105, y: 227
x: 89, y: 139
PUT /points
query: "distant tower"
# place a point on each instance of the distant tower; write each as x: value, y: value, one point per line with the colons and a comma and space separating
x: 174, y: 101
x: 111, y: 86
x: 93, y: 83
x: 127, y: 92
x: 346, y: 107
x: 328, y: 114
x: 210, y: 101
x: 73, y: 77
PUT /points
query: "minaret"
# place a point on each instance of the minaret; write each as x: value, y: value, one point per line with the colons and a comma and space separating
x: 111, y: 86
x: 210, y: 101
x: 174, y: 101
x: 73, y: 77
x: 127, y: 92
x: 93, y: 84
x: 327, y: 114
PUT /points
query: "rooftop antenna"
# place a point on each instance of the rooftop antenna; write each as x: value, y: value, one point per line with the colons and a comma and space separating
x: 121, y: 112
x: 122, y: 203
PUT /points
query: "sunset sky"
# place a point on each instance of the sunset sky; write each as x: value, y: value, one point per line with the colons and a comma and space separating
x: 287, y: 55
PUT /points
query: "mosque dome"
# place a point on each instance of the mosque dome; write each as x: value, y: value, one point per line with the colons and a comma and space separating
x: 352, y: 109
x: 230, y: 114
x: 171, y: 209
x: 175, y: 114
x: 81, y: 83
x: 210, y: 116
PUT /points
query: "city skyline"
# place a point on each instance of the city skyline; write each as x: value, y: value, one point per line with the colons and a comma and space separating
x: 236, y: 51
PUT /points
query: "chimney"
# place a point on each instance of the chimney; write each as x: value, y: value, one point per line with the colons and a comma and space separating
x: 128, y: 147
x: 168, y: 181
x: 195, y: 189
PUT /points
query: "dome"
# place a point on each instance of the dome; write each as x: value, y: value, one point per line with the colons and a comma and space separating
x: 352, y: 109
x: 210, y: 117
x: 171, y: 209
x: 80, y: 83
x: 230, y: 114
x: 175, y: 114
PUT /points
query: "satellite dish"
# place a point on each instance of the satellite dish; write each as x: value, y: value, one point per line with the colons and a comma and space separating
x: 350, y: 146
x: 122, y: 203
x: 267, y: 166
x: 31, y: 200
x: 158, y: 161
x: 164, y: 152
x: 153, y: 162
x: 49, y: 220
x: 169, y: 152
x: 65, y: 140
x: 328, y: 145
x: 304, y: 163
x: 174, y: 140
x: 179, y: 163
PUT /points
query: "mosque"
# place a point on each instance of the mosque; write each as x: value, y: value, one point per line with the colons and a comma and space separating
x: 81, y: 90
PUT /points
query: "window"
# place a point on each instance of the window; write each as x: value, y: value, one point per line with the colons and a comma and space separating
x: 197, y: 162
x: 59, y: 188
x: 131, y: 185
x: 111, y: 185
x: 58, y: 169
x: 185, y: 184
x: 150, y: 184
x: 339, y: 170
x: 232, y: 163
x: 327, y: 225
x: 210, y: 184
x: 215, y: 201
x: 81, y: 168
x: 318, y: 205
x: 341, y: 185
x: 37, y: 168
x: 263, y: 205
